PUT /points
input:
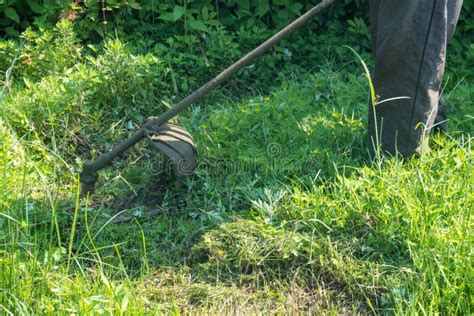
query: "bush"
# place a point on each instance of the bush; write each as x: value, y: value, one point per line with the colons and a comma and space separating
x: 17, y: 15
x: 64, y: 94
x: 42, y: 53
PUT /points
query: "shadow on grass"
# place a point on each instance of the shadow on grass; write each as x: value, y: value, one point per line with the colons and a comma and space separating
x: 276, y: 200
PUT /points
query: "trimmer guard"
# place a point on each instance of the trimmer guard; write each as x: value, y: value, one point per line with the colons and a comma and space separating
x: 176, y: 143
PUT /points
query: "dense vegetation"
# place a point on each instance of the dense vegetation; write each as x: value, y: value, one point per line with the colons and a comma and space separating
x: 285, y: 212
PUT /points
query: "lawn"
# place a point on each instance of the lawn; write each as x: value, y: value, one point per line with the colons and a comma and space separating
x: 285, y: 212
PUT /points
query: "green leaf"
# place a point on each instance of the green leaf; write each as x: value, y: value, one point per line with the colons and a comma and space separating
x: 35, y: 7
x: 134, y: 5
x: 283, y: 15
x: 262, y: 8
x: 100, y: 30
x: 205, y: 13
x: 296, y: 8
x: 11, y: 31
x: 167, y: 17
x: 178, y: 12
x: 12, y: 15
x: 198, y: 25
x: 244, y: 4
x: 213, y: 22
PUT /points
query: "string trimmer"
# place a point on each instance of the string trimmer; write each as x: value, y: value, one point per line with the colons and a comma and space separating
x: 172, y: 140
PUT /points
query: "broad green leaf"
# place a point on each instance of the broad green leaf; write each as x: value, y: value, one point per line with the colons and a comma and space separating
x: 167, y: 17
x: 263, y: 8
x: 198, y: 25
x: 134, y: 5
x: 12, y: 15
x: 11, y: 31
x: 100, y: 30
x: 178, y: 12
x: 296, y: 8
x: 213, y: 22
x: 205, y: 13
x: 283, y: 15
x: 35, y: 7
x: 244, y: 4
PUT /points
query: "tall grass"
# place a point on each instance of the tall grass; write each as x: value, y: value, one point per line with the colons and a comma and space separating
x: 285, y: 213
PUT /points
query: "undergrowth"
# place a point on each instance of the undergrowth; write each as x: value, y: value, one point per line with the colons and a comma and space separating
x: 284, y: 214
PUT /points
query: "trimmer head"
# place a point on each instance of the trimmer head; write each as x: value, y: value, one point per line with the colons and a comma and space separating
x: 173, y: 141
x: 176, y: 144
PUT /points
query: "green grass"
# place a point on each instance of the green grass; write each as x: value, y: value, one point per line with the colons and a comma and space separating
x: 284, y: 214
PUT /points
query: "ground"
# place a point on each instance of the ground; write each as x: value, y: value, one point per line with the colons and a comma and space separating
x: 285, y: 212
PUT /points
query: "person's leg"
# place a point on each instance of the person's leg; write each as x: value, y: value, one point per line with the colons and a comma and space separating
x: 409, y: 43
x: 441, y: 121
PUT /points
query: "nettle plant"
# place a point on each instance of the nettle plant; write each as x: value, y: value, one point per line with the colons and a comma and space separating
x: 17, y: 15
x: 192, y: 15
x: 99, y: 18
x: 276, y: 13
x: 60, y: 91
x: 198, y: 15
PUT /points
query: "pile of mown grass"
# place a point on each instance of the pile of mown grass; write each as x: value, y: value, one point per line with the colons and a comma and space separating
x: 285, y: 212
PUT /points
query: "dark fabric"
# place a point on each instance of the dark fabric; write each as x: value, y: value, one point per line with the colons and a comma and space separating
x: 409, y: 39
x: 441, y: 121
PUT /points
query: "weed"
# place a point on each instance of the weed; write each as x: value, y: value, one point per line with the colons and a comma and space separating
x: 285, y: 213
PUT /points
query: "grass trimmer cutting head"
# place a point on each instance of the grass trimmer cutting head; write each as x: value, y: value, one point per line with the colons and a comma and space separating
x: 172, y: 140
x: 177, y: 145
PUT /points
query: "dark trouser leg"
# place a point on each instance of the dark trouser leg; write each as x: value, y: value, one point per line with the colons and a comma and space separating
x: 441, y: 120
x: 409, y: 41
